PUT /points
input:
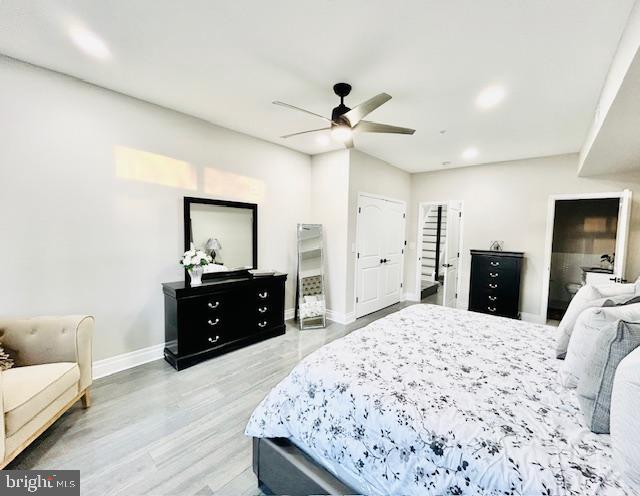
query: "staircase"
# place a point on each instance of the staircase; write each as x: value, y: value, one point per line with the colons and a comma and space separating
x: 429, y: 244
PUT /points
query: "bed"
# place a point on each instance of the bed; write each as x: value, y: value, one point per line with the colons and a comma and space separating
x: 431, y: 400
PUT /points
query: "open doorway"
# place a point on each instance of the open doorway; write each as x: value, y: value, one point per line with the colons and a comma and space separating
x: 587, y: 245
x: 438, y: 245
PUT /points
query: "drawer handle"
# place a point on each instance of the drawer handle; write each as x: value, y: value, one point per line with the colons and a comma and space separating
x: 493, y: 286
x: 213, y: 305
x: 494, y: 264
x: 493, y: 298
x: 491, y: 309
x: 493, y: 274
x: 262, y: 324
x: 263, y: 295
x: 211, y: 340
x: 262, y: 309
x: 213, y: 322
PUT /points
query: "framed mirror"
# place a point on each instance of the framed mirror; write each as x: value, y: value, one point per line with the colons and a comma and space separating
x: 226, y: 230
x: 311, y: 291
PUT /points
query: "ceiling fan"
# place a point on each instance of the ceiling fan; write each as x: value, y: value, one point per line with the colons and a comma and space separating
x: 345, y: 121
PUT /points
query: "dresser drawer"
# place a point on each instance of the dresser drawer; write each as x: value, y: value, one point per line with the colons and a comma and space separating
x: 264, y: 293
x: 496, y: 264
x: 268, y: 309
x: 495, y: 304
x: 261, y: 324
x: 212, y: 305
x: 493, y: 287
x: 207, y: 336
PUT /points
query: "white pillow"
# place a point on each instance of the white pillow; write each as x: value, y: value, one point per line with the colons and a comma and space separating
x: 625, y: 426
x: 588, y: 296
x: 616, y: 288
x: 585, y: 333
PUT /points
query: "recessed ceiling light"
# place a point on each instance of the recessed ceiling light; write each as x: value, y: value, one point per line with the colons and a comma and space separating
x: 490, y: 96
x: 443, y: 131
x: 445, y: 163
x: 89, y: 42
x: 470, y: 153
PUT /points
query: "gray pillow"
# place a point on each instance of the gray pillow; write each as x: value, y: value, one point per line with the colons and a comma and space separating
x: 618, y: 301
x: 594, y: 390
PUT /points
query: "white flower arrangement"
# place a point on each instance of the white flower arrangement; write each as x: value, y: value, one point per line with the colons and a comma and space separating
x: 195, y: 258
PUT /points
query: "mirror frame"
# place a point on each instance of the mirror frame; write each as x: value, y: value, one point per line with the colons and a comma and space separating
x: 189, y: 200
x: 299, y: 295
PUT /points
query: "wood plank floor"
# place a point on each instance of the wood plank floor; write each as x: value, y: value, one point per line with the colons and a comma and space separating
x: 154, y: 431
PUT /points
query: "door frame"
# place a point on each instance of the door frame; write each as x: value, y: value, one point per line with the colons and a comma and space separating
x: 357, y: 242
x: 548, y: 246
x: 418, y: 274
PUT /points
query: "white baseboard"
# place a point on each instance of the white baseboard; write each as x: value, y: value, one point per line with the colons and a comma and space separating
x: 118, y: 363
x: 341, y: 318
x: 108, y: 366
x: 533, y: 318
x: 289, y: 313
x: 411, y: 297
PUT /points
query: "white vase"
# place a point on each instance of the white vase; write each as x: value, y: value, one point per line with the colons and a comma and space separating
x: 195, y: 275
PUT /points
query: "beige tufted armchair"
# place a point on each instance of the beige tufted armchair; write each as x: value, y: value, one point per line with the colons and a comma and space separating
x: 52, y: 371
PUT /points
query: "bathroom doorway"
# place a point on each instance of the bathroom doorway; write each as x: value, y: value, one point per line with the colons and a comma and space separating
x: 588, y: 245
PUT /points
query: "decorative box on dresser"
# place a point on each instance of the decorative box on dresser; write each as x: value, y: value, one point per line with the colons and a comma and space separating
x: 220, y: 315
x: 495, y: 282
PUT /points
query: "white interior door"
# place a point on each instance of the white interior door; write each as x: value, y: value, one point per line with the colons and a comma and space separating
x: 370, y: 249
x: 451, y: 262
x: 622, y: 236
x: 380, y: 247
x: 393, y: 243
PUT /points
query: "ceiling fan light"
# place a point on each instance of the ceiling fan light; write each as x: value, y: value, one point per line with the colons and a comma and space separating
x: 341, y: 133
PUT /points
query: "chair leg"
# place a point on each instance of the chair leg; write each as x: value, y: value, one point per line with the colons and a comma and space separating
x: 86, y: 398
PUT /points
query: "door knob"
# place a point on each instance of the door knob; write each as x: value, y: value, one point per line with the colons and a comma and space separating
x: 446, y: 266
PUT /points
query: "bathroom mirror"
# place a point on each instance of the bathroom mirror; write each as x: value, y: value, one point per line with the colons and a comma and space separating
x: 226, y: 230
x: 311, y: 294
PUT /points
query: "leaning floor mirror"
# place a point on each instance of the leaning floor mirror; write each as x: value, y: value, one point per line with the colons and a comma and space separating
x: 311, y: 301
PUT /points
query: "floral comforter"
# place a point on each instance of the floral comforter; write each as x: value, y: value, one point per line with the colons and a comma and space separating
x: 432, y: 400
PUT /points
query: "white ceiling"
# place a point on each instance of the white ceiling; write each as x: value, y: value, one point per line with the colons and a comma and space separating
x: 225, y: 61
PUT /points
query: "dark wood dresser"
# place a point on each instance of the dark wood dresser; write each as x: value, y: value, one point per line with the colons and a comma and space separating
x: 220, y: 315
x: 495, y: 282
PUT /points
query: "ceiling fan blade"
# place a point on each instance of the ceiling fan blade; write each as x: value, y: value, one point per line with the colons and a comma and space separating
x: 375, y: 127
x: 356, y: 114
x: 305, y: 132
x: 349, y: 143
x: 282, y: 104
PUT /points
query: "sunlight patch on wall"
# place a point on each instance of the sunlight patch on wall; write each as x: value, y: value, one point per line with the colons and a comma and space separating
x: 138, y: 165
x: 223, y: 184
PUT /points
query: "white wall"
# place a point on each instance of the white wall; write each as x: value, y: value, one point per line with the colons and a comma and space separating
x: 369, y: 174
x: 627, y: 49
x: 329, y: 200
x: 91, y: 187
x: 508, y: 201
